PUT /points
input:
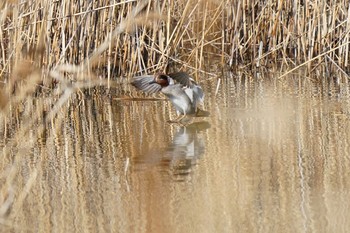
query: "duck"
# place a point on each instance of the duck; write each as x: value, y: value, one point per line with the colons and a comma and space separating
x: 180, y: 88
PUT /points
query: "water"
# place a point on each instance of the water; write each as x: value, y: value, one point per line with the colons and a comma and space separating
x: 272, y: 157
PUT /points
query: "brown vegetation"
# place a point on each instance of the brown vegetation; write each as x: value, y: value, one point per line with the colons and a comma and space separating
x: 120, y: 40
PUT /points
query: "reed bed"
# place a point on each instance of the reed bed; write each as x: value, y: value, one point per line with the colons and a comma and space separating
x: 238, y: 33
x: 51, y: 50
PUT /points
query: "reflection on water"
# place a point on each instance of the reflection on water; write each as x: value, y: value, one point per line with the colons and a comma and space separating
x: 181, y: 153
x: 272, y: 157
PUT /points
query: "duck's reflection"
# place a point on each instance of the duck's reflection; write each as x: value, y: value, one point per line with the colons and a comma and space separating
x: 182, y: 153
x: 187, y: 147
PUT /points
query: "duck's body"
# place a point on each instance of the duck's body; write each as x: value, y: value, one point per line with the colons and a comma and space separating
x: 183, y: 92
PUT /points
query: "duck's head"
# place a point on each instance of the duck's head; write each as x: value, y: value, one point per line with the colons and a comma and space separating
x: 161, y: 79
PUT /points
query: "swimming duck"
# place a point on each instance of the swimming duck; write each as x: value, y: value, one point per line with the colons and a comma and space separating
x: 183, y: 92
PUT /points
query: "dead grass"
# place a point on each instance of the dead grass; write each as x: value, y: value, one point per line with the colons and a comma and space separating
x: 186, y: 33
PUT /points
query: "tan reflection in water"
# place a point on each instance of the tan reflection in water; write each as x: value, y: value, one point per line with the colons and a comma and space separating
x: 273, y: 157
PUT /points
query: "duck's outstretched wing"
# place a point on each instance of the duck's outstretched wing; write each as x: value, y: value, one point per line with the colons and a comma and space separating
x: 198, y: 95
x: 183, y: 78
x: 144, y: 84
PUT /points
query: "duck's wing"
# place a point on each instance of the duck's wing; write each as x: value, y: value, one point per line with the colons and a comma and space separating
x: 182, y: 78
x: 190, y: 94
x: 144, y: 84
x: 198, y: 94
x: 194, y: 92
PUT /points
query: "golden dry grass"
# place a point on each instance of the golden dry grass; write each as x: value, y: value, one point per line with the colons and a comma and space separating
x: 114, y: 40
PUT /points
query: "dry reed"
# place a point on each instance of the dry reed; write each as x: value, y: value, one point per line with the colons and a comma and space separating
x: 187, y: 33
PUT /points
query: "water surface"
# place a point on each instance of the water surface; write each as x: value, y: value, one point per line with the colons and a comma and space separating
x: 272, y: 157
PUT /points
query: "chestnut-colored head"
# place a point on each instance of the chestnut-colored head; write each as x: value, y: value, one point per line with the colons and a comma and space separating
x: 161, y: 79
